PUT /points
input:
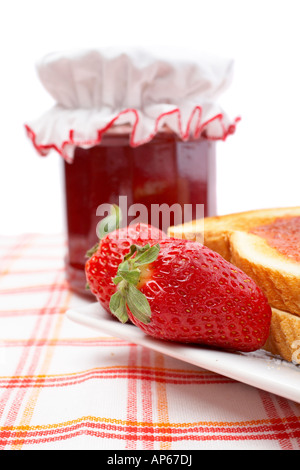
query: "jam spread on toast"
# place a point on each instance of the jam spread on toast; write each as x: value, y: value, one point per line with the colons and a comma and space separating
x: 283, y: 234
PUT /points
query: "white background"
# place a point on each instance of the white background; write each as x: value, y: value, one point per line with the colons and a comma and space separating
x: 257, y: 167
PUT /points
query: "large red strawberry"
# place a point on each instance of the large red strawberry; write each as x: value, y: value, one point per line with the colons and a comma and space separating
x: 105, y: 257
x: 180, y: 290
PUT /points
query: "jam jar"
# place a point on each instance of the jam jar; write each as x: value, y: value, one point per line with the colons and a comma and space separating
x: 166, y: 170
x: 134, y: 124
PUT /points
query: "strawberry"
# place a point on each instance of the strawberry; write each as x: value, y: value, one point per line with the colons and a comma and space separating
x: 105, y: 257
x: 179, y: 290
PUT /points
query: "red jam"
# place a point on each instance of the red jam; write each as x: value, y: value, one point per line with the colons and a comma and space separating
x: 165, y: 170
x: 283, y: 235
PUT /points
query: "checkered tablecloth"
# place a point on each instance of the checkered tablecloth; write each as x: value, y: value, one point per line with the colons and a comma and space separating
x: 65, y: 386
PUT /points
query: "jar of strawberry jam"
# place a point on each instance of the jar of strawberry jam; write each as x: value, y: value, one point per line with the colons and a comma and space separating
x: 165, y: 170
x: 131, y: 126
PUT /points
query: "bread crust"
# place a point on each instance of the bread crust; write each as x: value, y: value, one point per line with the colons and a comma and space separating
x: 284, y: 337
x: 277, y: 276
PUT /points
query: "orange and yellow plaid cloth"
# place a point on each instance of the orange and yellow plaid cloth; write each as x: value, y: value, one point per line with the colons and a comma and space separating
x: 64, y: 386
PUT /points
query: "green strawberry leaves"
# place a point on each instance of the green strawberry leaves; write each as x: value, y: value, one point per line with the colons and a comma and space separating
x: 127, y: 278
x: 145, y: 255
x: 138, y: 305
x: 124, y: 273
x: 118, y: 306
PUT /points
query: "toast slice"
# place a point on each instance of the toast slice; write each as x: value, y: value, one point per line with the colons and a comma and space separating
x: 277, y: 275
x: 215, y: 232
x: 239, y: 239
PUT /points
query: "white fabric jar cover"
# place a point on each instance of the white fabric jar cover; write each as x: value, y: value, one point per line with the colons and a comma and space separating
x: 100, y: 88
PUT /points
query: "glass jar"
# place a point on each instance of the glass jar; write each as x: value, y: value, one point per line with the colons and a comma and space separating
x: 165, y: 170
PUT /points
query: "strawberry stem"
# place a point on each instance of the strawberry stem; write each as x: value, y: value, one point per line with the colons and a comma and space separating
x: 127, y: 278
x: 110, y: 223
x: 107, y: 225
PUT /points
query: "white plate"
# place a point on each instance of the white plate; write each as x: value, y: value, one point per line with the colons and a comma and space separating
x: 258, y: 369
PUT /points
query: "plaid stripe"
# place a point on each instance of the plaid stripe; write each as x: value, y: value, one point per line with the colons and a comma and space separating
x: 65, y: 386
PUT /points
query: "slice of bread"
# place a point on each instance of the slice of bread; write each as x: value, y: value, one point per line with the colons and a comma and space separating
x: 275, y: 273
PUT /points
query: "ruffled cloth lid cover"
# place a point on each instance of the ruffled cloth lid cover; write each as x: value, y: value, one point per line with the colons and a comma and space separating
x: 100, y: 88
